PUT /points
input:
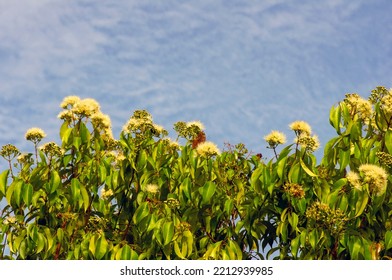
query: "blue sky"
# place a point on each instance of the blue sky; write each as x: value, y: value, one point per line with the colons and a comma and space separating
x: 243, y: 68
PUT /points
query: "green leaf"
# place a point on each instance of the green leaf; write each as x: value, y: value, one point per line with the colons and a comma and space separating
x: 313, y: 238
x: 141, y: 212
x: 344, y: 158
x: 49, y: 238
x: 343, y: 203
x: 75, y: 191
x: 281, y: 167
x: 388, y: 240
x: 27, y: 193
x: 189, y: 239
x: 101, y: 247
x: 85, y: 197
x: 102, y: 172
x: 9, y: 193
x: 388, y: 140
x: 3, y: 182
x: 207, y: 191
x: 334, y: 118
x: 294, y: 173
x: 340, y: 183
x: 306, y: 169
x: 295, y: 245
x: 229, y: 205
x: 255, y: 179
x: 141, y: 161
x: 54, y: 182
x: 282, y: 228
x: 77, y: 141
x: 361, y: 203
x: 60, y: 235
x: 84, y: 133
x: 185, y: 187
x: 17, y: 194
x: 178, y: 251
x: 126, y: 253
x: 293, y: 220
x: 65, y: 132
x: 40, y: 241
x: 355, y: 246
x: 235, y: 248
x: 23, y: 249
x: 167, y: 232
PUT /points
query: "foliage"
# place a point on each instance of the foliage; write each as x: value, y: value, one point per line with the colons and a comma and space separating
x: 145, y: 196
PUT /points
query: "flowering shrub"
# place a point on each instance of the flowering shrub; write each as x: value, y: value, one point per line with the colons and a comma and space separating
x: 145, y: 196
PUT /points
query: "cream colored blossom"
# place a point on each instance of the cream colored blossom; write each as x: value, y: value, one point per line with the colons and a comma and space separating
x: 134, y: 124
x: 171, y: 143
x: 275, y: 138
x: 100, y: 120
x: 105, y: 194
x: 66, y: 115
x: 35, y: 134
x: 359, y: 106
x: 386, y: 103
x: 207, y: 149
x: 376, y: 177
x: 159, y: 129
x: 9, y: 152
x: 301, y: 128
x: 69, y: 101
x: 197, y: 124
x: 9, y: 220
x: 310, y: 143
x: 174, y: 144
x: 120, y: 157
x: 51, y: 149
x: 152, y: 188
x: 354, y: 180
x: 24, y: 158
x: 86, y: 107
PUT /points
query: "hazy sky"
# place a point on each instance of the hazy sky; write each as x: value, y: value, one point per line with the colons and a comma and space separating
x: 242, y: 68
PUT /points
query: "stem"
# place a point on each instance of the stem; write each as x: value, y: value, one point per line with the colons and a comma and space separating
x: 276, y: 155
x: 36, y: 152
x: 10, y: 166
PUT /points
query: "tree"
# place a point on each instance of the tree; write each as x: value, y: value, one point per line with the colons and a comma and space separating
x: 145, y: 196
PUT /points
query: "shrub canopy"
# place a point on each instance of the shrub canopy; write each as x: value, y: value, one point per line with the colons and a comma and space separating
x: 145, y: 196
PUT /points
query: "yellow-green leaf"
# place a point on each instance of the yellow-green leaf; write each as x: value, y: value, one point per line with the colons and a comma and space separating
x: 207, y: 191
x: 178, y: 251
x: 3, y: 182
x: 167, y: 232
x: 307, y: 170
x: 27, y: 193
x: 388, y: 240
x: 101, y: 247
x: 85, y: 196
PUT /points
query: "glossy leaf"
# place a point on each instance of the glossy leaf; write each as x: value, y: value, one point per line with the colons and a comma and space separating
x: 167, y: 232
x: 126, y: 253
x: 75, y: 191
x: 27, y: 193
x: 85, y: 197
x: 141, y: 212
x: 3, y: 182
x: 101, y: 247
x: 306, y: 169
x: 334, y: 118
x: 55, y: 182
x: 207, y: 191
